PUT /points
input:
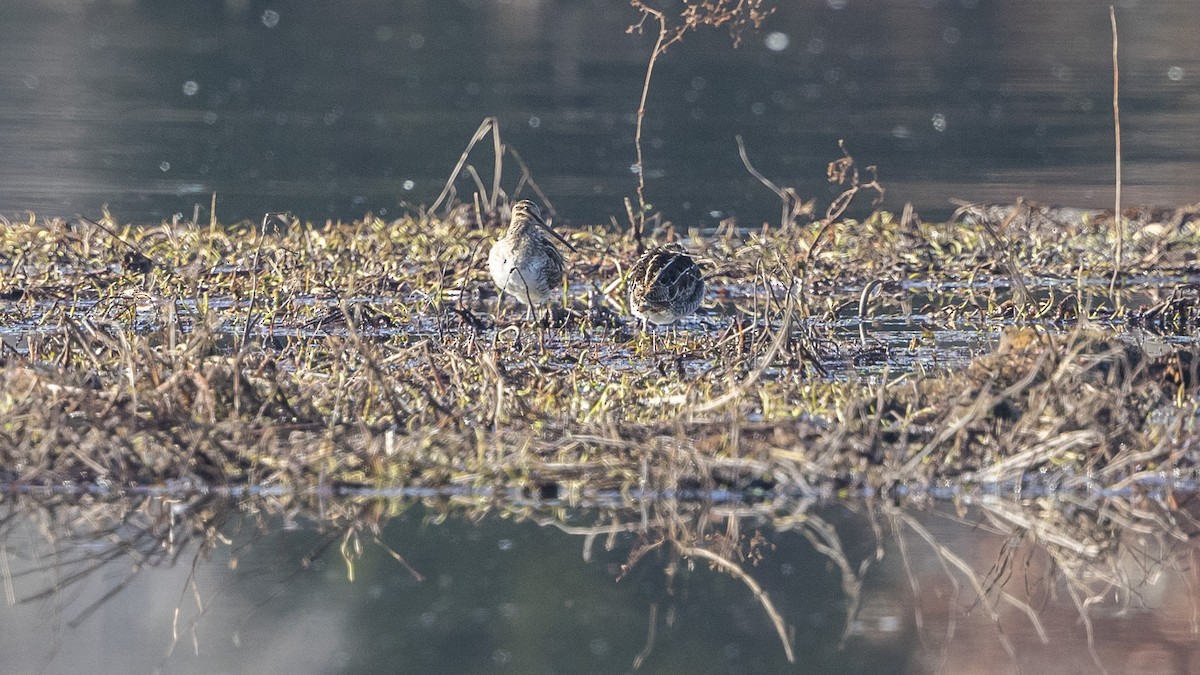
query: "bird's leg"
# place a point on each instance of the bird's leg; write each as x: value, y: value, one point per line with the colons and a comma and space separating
x: 542, y: 325
x: 542, y: 321
x: 653, y: 339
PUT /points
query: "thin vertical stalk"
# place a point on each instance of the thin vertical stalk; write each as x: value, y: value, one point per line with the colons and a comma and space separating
x: 659, y: 47
x: 1117, y: 222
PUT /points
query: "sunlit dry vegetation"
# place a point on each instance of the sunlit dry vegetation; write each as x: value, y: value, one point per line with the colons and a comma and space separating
x: 373, y: 353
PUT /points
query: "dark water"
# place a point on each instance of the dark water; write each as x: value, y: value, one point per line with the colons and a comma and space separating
x: 492, y: 594
x: 332, y: 110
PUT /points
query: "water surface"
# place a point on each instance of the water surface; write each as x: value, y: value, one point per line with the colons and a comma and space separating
x: 306, y: 593
x: 150, y: 107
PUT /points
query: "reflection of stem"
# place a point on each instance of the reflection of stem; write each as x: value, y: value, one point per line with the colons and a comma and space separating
x: 400, y: 559
x: 964, y: 567
x: 350, y: 550
x: 1013, y: 517
x: 825, y: 540
x: 1183, y: 573
x: 589, y: 534
x: 650, y: 630
x: 10, y: 596
x: 200, y: 608
x: 915, y: 584
x: 1081, y: 607
x: 737, y: 572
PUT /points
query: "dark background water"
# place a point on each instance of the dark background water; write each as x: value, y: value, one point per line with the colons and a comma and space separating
x: 334, y: 109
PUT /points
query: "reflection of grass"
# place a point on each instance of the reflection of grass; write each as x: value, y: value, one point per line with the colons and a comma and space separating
x: 368, y: 353
x: 1098, y: 555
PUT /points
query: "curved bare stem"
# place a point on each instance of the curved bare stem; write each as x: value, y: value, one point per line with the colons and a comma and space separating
x: 660, y: 46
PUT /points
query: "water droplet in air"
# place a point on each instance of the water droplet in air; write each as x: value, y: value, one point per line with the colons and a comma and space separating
x: 1174, y: 73
x: 165, y: 167
x: 270, y: 18
x: 190, y: 88
x: 777, y: 41
x: 939, y: 122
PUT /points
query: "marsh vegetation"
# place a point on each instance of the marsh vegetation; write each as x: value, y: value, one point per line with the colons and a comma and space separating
x: 374, y: 353
x: 175, y: 391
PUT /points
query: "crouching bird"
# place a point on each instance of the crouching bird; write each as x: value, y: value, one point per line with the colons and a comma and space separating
x: 665, y: 285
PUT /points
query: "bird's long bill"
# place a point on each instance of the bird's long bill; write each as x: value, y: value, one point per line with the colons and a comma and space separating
x: 542, y: 224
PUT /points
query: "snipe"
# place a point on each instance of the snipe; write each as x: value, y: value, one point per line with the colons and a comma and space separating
x: 665, y: 285
x: 524, y: 263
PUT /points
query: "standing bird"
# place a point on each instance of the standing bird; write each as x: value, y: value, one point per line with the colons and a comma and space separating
x: 524, y: 263
x: 664, y: 285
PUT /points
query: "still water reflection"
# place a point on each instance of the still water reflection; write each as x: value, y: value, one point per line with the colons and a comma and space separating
x: 858, y: 588
x: 150, y: 107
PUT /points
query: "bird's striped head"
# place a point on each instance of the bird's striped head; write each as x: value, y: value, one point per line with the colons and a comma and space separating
x: 526, y: 209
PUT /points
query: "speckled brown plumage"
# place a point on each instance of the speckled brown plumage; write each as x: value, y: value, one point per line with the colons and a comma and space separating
x: 665, y: 285
x: 524, y: 263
